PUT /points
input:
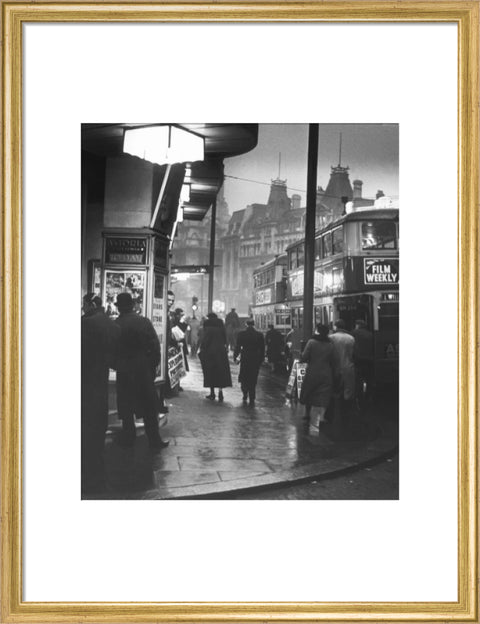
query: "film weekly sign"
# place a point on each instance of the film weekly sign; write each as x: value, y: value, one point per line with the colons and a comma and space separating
x: 125, y: 250
x: 380, y: 271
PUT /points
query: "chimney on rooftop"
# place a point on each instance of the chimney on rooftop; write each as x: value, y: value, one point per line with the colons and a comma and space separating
x: 357, y: 189
x: 296, y: 199
x: 379, y: 194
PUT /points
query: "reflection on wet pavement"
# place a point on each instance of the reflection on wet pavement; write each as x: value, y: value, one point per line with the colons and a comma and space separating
x: 215, y: 444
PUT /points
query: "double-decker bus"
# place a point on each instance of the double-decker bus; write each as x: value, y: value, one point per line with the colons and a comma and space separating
x: 269, y: 293
x: 356, y: 277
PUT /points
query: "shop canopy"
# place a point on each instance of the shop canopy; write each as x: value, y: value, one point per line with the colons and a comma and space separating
x: 205, y: 177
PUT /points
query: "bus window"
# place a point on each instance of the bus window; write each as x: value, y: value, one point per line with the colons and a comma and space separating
x: 337, y: 240
x: 337, y: 279
x: 388, y: 316
x: 379, y: 235
x: 327, y: 244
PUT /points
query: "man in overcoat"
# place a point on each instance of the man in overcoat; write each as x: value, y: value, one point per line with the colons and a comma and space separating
x: 343, y: 345
x: 274, y: 344
x: 99, y: 343
x: 138, y: 356
x: 232, y: 327
x: 251, y: 348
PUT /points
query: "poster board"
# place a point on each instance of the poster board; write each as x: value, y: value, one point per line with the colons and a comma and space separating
x: 159, y: 317
x: 176, y: 365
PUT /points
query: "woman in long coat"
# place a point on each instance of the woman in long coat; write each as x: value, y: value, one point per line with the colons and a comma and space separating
x: 213, y: 356
x: 317, y: 385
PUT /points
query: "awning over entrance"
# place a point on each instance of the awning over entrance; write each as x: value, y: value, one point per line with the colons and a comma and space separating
x: 221, y: 141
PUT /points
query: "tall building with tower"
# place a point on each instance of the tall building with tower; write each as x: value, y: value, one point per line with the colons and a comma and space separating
x: 259, y: 232
x: 255, y: 235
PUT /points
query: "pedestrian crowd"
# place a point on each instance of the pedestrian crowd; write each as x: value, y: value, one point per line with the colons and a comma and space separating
x: 339, y: 369
x: 339, y: 374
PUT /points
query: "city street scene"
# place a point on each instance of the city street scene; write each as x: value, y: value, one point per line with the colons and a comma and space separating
x: 240, y: 311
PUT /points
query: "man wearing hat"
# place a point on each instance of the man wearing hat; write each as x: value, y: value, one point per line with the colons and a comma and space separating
x: 99, y: 342
x: 138, y: 357
x: 251, y: 347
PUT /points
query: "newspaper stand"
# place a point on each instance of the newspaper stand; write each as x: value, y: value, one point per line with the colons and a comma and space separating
x: 136, y: 261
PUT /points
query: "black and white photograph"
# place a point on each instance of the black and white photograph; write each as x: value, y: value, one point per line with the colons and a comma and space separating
x: 240, y: 298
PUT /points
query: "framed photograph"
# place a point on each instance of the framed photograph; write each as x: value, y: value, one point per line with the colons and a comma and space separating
x: 319, y: 123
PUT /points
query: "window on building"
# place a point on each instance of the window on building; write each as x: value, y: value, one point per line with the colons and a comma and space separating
x: 300, y: 255
x: 379, y: 235
x: 327, y: 244
x: 318, y: 248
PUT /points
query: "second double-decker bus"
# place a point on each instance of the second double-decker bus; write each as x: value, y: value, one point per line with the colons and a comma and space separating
x: 269, y: 294
x: 356, y: 277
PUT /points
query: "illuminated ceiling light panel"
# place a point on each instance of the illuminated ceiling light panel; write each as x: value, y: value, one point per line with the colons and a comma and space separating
x: 185, y: 193
x: 164, y: 145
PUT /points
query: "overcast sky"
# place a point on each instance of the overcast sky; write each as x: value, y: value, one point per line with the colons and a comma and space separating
x: 370, y: 150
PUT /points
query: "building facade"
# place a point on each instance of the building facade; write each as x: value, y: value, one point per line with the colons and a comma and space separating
x: 255, y: 235
x: 259, y: 232
x: 191, y: 248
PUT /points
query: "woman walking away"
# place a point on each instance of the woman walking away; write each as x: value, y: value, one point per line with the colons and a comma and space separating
x: 213, y: 356
x: 317, y: 385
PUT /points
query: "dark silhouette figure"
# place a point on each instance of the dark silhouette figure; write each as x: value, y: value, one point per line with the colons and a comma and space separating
x: 99, y: 343
x: 363, y: 352
x: 251, y: 348
x: 232, y: 327
x: 138, y: 357
x: 275, y: 348
x: 213, y: 356
x: 317, y: 386
x: 193, y: 335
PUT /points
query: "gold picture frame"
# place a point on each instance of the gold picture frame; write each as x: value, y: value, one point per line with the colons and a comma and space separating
x: 463, y: 13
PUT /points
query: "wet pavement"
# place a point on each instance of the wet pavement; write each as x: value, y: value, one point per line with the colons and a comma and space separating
x: 221, y: 449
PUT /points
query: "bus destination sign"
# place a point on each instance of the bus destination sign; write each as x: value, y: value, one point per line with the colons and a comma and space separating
x: 381, y: 271
x: 125, y: 250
